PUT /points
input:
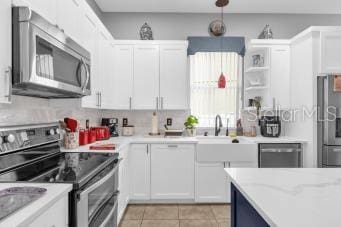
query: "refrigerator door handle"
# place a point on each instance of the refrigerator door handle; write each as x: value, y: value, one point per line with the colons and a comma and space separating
x: 336, y: 150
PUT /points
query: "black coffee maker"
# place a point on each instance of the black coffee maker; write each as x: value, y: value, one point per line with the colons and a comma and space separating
x: 112, y: 124
x: 270, y: 126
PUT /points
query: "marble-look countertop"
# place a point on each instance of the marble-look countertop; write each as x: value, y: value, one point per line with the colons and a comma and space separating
x: 27, y: 214
x: 292, y: 197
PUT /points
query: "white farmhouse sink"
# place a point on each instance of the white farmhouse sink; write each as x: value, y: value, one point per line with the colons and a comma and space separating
x: 219, y: 139
x: 221, y: 149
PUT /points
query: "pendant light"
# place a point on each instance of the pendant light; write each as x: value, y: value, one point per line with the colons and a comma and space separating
x: 222, y: 78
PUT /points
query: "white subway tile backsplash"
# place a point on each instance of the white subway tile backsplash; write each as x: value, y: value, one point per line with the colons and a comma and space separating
x: 28, y: 110
x: 141, y: 119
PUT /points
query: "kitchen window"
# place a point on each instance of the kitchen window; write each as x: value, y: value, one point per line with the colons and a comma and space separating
x: 207, y: 100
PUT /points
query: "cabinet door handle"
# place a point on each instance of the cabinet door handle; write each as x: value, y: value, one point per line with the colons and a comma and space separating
x: 130, y: 103
x: 8, y: 73
x: 336, y: 150
x: 147, y: 149
x: 157, y: 103
x: 173, y: 146
x: 162, y: 103
x: 100, y: 99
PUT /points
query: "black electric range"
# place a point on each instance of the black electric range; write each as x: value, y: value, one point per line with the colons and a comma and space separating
x: 32, y: 154
x: 75, y: 168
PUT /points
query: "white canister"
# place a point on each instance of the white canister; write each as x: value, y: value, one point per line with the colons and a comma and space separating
x: 128, y: 130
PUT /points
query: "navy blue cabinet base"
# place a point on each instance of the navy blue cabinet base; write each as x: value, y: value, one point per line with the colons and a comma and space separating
x: 242, y: 212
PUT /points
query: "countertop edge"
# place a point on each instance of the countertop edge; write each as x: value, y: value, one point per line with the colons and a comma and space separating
x: 29, y: 213
x: 250, y: 200
x: 123, y: 141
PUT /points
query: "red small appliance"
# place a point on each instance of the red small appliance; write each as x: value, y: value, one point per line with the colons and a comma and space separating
x: 92, y: 135
x: 102, y: 133
x: 83, y: 137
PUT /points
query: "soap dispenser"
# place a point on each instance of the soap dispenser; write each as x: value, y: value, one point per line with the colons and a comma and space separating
x: 227, y: 127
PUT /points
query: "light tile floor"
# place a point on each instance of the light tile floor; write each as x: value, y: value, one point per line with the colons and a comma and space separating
x: 176, y: 215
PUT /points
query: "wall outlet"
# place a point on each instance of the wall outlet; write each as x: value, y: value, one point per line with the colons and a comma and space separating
x: 169, y: 121
x: 125, y: 121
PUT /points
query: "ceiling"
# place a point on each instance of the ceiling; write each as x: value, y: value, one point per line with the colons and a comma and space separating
x: 235, y: 6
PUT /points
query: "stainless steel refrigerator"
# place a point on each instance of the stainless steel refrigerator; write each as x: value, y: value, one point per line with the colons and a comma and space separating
x: 329, y: 121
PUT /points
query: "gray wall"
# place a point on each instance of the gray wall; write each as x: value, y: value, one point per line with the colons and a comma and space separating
x: 179, y: 26
x: 95, y: 8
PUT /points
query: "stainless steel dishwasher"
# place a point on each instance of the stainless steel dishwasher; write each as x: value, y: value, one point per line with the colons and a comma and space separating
x: 280, y: 155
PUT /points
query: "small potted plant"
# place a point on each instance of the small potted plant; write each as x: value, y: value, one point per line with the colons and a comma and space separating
x: 190, y: 124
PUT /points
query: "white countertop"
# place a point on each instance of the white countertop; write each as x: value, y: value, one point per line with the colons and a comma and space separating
x: 281, y: 139
x: 30, y: 212
x: 123, y: 141
x: 292, y: 197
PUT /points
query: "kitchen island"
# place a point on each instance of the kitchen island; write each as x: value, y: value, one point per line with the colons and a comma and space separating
x: 285, y: 197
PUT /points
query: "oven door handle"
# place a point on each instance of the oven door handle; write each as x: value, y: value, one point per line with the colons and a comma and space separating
x: 81, y: 194
x: 280, y: 150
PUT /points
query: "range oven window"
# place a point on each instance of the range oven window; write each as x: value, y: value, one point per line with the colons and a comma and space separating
x: 56, y: 64
x: 101, y: 194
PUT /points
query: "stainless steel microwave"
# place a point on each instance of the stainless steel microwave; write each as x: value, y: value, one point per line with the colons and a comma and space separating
x: 46, y: 62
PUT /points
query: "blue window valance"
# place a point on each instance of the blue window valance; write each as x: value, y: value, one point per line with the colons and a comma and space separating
x: 213, y: 44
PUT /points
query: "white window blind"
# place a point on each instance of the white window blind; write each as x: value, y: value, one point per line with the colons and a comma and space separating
x: 207, y: 100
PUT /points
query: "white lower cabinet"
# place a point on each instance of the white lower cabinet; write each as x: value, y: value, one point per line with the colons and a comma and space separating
x: 55, y: 216
x: 172, y: 171
x: 139, y: 162
x: 159, y: 172
x: 243, y: 165
x: 124, y: 182
x: 211, y: 183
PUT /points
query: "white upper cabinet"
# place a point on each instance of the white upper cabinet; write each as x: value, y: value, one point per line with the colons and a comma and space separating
x: 90, y: 42
x: 172, y: 171
x: 123, y: 76
x: 67, y: 9
x: 174, y: 82
x: 280, y: 75
x: 6, y: 51
x: 146, y: 77
x: 45, y: 8
x: 330, y: 52
x: 151, y: 75
x: 106, y: 71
